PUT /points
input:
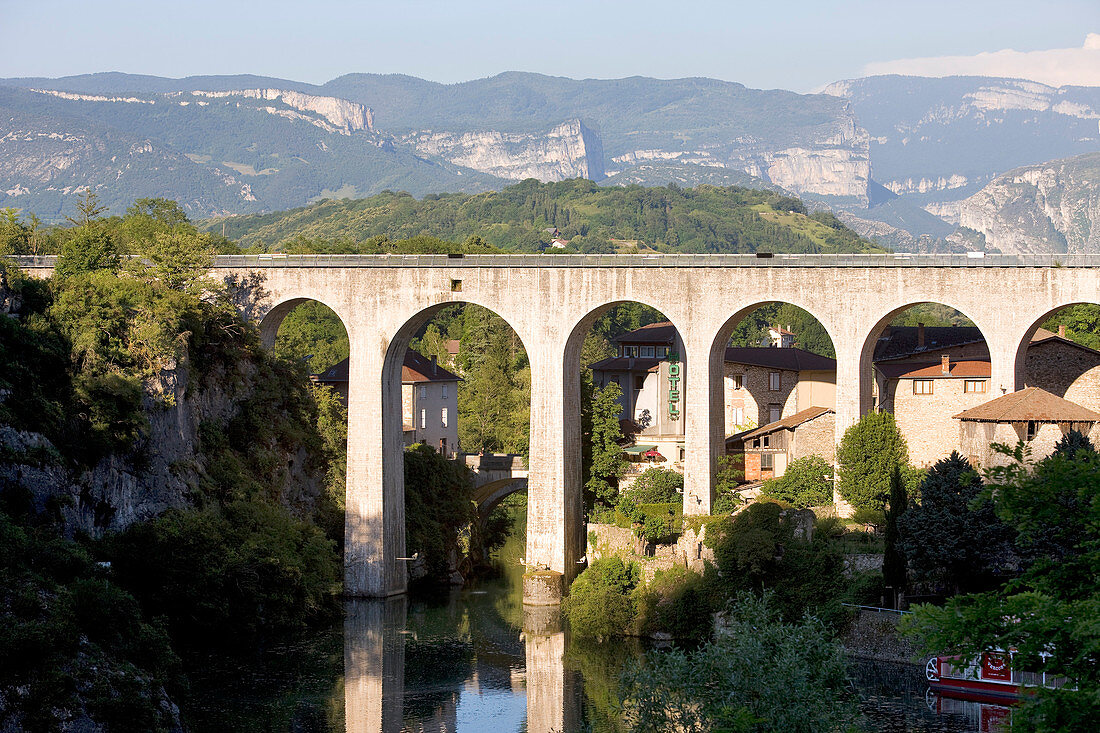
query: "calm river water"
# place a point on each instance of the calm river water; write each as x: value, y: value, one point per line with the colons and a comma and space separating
x: 476, y: 661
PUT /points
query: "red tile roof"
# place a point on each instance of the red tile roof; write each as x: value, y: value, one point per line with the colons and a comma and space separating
x: 973, y: 369
x: 1029, y: 404
x: 416, y: 368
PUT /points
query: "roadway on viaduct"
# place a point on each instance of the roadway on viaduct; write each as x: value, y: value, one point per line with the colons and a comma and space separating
x: 551, y: 300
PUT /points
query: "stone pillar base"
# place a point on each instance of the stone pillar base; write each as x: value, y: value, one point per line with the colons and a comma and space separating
x: 543, y: 588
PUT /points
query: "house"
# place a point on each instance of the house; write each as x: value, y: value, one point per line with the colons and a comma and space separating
x: 761, y: 385
x: 1032, y: 415
x: 429, y: 400
x: 771, y: 448
x: 924, y: 397
x: 453, y: 346
x: 926, y: 376
x: 557, y: 243
x: 778, y: 337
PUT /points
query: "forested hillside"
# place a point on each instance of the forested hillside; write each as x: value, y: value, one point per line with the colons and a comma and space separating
x: 668, y: 218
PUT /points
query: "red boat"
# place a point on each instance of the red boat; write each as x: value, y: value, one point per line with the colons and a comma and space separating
x: 988, y: 678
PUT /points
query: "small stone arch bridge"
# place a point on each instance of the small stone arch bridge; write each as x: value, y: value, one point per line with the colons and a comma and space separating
x: 551, y: 301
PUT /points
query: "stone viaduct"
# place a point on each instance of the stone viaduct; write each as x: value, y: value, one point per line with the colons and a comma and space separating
x: 551, y: 300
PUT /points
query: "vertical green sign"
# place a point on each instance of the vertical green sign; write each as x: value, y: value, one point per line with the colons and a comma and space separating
x: 673, y: 386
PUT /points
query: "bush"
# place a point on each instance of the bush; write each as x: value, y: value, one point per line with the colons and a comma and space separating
x: 806, y: 482
x: 601, y: 600
x: 758, y: 674
x: 679, y: 602
x: 661, y: 523
x: 657, y: 485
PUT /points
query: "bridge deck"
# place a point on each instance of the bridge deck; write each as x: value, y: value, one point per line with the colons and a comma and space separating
x: 900, y: 259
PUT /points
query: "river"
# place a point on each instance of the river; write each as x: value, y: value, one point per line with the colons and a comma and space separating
x: 476, y: 660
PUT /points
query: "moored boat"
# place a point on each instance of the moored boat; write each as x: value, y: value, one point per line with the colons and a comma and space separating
x: 987, y: 677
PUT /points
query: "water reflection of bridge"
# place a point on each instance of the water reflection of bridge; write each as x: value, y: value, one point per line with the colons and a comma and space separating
x: 382, y: 654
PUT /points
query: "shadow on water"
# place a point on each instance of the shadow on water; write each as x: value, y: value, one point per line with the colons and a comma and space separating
x: 476, y: 659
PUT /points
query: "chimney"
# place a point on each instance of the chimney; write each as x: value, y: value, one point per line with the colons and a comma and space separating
x: 945, y: 364
x: 1062, y: 330
x: 435, y: 366
x: 920, y: 335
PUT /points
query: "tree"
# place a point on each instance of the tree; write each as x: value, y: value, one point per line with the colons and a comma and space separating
x: 605, y: 463
x: 178, y: 258
x: 601, y: 600
x: 89, y: 248
x: 88, y: 209
x: 866, y: 458
x: 893, y: 559
x: 948, y: 542
x: 1050, y: 614
x: 806, y: 482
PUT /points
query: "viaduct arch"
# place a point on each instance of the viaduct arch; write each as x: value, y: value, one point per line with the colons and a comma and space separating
x: 383, y: 298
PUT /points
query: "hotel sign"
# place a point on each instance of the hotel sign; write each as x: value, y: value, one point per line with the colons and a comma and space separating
x: 674, y: 376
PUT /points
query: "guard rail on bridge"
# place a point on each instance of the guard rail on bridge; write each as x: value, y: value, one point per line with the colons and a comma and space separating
x: 759, y: 259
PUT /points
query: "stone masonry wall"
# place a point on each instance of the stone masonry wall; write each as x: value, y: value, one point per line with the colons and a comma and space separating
x: 1066, y: 371
x: 815, y: 438
x: 926, y: 420
x: 755, y: 395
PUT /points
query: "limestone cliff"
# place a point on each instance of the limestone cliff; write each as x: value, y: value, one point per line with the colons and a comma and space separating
x: 1050, y: 207
x: 165, y: 468
x: 569, y: 150
x: 341, y: 116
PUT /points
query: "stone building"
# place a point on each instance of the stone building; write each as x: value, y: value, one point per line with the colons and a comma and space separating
x: 1032, y: 415
x: 771, y: 448
x: 1064, y: 368
x: 763, y: 385
x: 429, y: 400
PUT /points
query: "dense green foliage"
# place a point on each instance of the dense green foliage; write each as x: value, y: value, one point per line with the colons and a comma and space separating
x: 866, y: 457
x: 760, y: 673
x: 950, y: 546
x: 602, y: 453
x: 314, y: 335
x: 808, y: 481
x: 757, y: 550
x: 72, y: 639
x: 92, y: 357
x: 701, y: 219
x: 601, y: 600
x: 437, y: 508
x: 654, y: 501
x: 1050, y: 614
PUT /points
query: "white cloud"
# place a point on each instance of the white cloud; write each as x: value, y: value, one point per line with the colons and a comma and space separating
x: 1056, y: 67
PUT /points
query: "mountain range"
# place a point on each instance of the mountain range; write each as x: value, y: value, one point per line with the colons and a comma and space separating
x: 893, y: 156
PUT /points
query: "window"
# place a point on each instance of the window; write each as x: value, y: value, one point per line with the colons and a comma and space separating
x: 766, y: 462
x: 456, y: 286
x: 662, y: 352
x: 443, y: 387
x: 443, y: 417
x: 631, y: 350
x: 647, y: 352
x: 773, y: 381
x: 442, y: 446
x: 922, y: 386
x: 975, y: 385
x: 639, y: 381
x: 423, y: 392
x: 1032, y: 430
x: 738, y: 415
x: 756, y: 442
x: 423, y: 418
x: 774, y: 413
x: 737, y: 381
x: 767, y: 441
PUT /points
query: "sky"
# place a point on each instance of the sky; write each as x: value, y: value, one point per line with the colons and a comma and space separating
x: 799, y: 45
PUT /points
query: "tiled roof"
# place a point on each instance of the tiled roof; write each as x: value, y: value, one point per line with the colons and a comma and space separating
x: 972, y: 369
x: 1032, y: 404
x: 416, y: 368
x: 899, y: 341
x: 453, y: 346
x: 788, y: 423
x: 1043, y: 337
x: 795, y: 360
x: 662, y: 332
x: 623, y: 364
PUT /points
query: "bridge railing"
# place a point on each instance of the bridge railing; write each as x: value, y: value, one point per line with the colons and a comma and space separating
x: 759, y: 259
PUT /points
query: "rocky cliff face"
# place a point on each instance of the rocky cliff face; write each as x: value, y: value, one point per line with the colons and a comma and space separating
x: 164, y: 470
x: 569, y: 150
x: 341, y: 116
x: 1050, y: 207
